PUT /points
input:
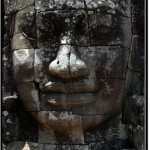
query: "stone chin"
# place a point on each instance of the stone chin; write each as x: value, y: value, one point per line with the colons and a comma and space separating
x: 66, y: 119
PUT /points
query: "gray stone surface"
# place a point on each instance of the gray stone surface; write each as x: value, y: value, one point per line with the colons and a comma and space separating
x: 52, y: 147
x: 59, y: 126
x: 6, y: 72
x: 61, y: 4
x: 43, y: 57
x: 138, y: 23
x: 23, y: 64
x: 97, y: 119
x: 29, y: 95
x: 105, y: 99
x: 104, y: 61
x: 10, y: 102
x: 63, y: 27
x: 10, y: 124
x: 113, y: 129
x: 24, y: 34
x: 139, y: 137
x: 101, y: 62
x: 108, y: 29
x: 16, y: 5
x: 118, y: 5
x: 134, y: 110
x: 134, y: 83
x: 19, y: 4
x: 136, y: 60
x: 18, y: 145
x: 25, y: 21
x: 20, y: 41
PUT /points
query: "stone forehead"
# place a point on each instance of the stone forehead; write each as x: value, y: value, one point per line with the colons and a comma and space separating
x: 44, y: 5
x: 76, y: 4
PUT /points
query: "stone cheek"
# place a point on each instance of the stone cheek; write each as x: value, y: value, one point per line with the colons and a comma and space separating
x: 19, y: 41
x: 105, y: 99
x: 29, y: 95
x: 23, y: 62
x: 105, y: 61
x: 43, y: 57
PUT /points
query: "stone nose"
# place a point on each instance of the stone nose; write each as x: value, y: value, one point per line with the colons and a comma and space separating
x: 67, y: 65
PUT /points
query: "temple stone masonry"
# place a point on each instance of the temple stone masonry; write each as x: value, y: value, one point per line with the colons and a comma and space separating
x: 73, y: 75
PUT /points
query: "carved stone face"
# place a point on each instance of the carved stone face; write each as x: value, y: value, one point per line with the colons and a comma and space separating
x: 69, y: 61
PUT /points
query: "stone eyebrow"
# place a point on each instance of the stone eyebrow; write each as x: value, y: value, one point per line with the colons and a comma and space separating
x: 117, y: 7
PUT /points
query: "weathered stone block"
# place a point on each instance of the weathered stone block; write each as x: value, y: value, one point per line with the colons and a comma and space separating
x: 47, y: 136
x: 123, y: 7
x: 133, y: 112
x: 43, y: 57
x: 75, y: 147
x: 109, y: 23
x: 10, y: 124
x: 104, y: 62
x: 16, y: 5
x: 79, y: 22
x: 136, y: 60
x: 55, y: 27
x: 103, y: 35
x: 52, y: 147
x: 113, y: 145
x: 97, y: 119
x: 23, y: 63
x: 138, y: 23
x: 25, y: 22
x: 28, y: 127
x: 134, y: 83
x: 29, y: 95
x: 10, y: 102
x: 61, y: 4
x: 47, y: 44
x: 19, y: 4
x: 6, y: 65
x: 111, y: 130
x: 109, y: 95
x: 48, y: 26
x: 139, y: 137
x: 19, y: 41
x: 33, y: 146
x: 18, y: 145
x: 62, y: 127
x: 101, y: 62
